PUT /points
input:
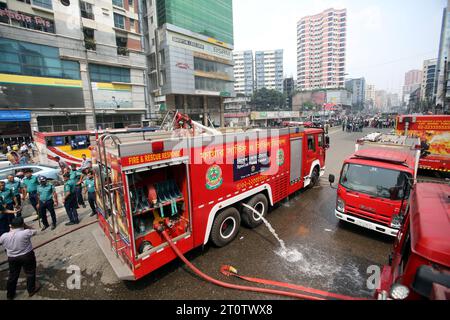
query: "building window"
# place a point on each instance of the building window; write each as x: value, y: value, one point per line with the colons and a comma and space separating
x: 121, y: 43
x: 24, y: 58
x: 119, y: 21
x: 43, y: 3
x: 215, y: 85
x: 86, y: 10
x: 89, y: 39
x: 118, y: 3
x: 131, y: 3
x: 26, y: 20
x: 211, y: 66
x: 102, y: 73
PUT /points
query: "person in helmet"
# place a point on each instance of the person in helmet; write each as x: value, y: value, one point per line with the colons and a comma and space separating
x: 47, y: 199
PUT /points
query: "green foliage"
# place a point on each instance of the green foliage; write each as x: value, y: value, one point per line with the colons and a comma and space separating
x: 265, y: 99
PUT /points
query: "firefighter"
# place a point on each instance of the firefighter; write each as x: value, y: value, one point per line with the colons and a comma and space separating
x: 70, y: 200
x: 16, y: 188
x: 31, y: 183
x: 89, y: 183
x: 47, y: 199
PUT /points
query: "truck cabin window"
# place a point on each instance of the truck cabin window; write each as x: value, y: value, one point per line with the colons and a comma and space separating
x: 311, y: 144
x: 374, y: 181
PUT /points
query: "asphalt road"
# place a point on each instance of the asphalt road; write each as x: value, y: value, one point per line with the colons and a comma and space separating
x: 332, y: 256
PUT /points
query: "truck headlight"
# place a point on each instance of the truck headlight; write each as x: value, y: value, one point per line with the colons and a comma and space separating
x: 399, y: 292
x: 396, y: 221
x: 340, y: 205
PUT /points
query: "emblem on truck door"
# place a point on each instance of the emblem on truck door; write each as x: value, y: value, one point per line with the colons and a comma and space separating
x: 214, y: 177
x: 280, y: 157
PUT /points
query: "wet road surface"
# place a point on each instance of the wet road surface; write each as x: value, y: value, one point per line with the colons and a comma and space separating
x: 334, y: 256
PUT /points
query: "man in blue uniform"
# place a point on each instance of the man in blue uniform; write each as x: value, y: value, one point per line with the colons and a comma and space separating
x: 89, y: 183
x: 47, y: 199
x: 16, y: 187
x: 30, y: 183
x: 75, y: 176
x: 70, y: 200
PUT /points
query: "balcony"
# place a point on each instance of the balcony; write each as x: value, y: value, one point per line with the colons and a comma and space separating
x: 90, y: 44
x: 123, y: 51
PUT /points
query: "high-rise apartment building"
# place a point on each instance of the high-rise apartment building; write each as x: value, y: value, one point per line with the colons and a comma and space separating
x: 189, y: 48
x: 70, y: 65
x: 269, y: 70
x: 428, y: 80
x: 243, y: 72
x: 370, y: 94
x: 321, y: 50
x: 413, y: 81
x: 442, y: 93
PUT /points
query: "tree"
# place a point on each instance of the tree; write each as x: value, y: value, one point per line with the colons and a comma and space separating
x: 265, y: 99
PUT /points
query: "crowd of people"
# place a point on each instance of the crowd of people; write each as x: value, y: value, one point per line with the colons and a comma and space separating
x: 15, y: 235
x: 357, y: 124
x: 19, y: 153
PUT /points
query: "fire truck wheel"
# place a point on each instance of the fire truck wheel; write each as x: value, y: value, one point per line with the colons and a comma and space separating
x: 225, y: 227
x: 314, y: 178
x: 249, y: 218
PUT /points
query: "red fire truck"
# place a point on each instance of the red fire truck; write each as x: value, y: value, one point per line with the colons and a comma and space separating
x: 434, y: 133
x: 195, y: 180
x: 419, y: 266
x: 374, y: 183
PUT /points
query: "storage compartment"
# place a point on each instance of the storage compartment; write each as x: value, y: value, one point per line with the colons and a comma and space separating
x: 155, y: 195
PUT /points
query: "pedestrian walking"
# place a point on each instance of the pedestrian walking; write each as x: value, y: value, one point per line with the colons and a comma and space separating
x: 70, y: 200
x: 76, y: 176
x: 30, y: 183
x: 89, y: 184
x: 19, y: 250
x: 62, y: 164
x: 16, y: 188
x: 23, y: 147
x: 47, y: 200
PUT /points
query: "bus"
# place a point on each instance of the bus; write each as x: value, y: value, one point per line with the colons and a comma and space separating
x: 71, y: 145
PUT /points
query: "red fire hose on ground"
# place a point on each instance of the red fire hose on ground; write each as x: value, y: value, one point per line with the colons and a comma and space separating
x: 307, y: 293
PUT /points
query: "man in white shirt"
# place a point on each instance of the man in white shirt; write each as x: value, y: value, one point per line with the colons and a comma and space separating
x: 19, y: 250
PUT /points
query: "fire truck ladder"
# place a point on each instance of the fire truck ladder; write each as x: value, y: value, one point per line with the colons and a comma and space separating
x: 104, y: 161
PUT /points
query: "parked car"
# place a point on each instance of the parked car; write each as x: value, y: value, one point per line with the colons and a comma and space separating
x: 50, y: 172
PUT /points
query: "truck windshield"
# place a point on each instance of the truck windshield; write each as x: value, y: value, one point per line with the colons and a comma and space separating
x: 375, y: 181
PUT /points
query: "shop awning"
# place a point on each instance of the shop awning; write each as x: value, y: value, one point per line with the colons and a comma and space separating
x: 14, y: 115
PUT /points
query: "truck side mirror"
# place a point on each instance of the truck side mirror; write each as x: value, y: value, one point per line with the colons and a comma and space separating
x: 331, y: 178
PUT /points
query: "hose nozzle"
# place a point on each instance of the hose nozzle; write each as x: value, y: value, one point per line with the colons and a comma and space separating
x: 228, y: 270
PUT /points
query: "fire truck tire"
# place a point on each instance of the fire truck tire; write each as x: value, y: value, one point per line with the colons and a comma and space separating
x: 314, y: 178
x: 225, y: 227
x: 259, y: 203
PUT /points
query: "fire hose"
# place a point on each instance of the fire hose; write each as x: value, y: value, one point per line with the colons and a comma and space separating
x: 55, y: 238
x: 307, y: 293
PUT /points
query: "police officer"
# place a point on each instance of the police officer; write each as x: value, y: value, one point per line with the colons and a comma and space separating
x: 70, y: 200
x: 89, y: 183
x: 76, y: 176
x: 5, y: 217
x: 16, y: 188
x: 7, y: 197
x: 47, y: 199
x: 31, y: 183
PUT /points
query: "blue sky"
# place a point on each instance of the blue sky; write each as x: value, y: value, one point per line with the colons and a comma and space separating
x: 385, y: 38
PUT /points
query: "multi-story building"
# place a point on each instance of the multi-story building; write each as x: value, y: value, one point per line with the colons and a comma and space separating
x: 70, y: 65
x: 269, y: 70
x: 413, y: 80
x: 243, y: 72
x: 442, y: 85
x: 381, y: 100
x: 288, y: 90
x: 189, y: 48
x: 428, y: 80
x: 370, y: 94
x: 321, y: 50
x: 358, y: 89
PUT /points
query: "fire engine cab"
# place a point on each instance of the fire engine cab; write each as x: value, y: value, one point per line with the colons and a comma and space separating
x: 419, y: 266
x: 375, y: 181
x: 193, y: 180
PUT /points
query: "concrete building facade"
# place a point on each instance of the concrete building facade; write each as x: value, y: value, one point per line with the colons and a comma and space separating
x: 442, y: 85
x: 358, y: 89
x: 243, y: 72
x: 428, y: 80
x: 189, y: 47
x: 321, y: 50
x: 413, y: 81
x: 288, y: 90
x: 70, y: 67
x: 269, y: 70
